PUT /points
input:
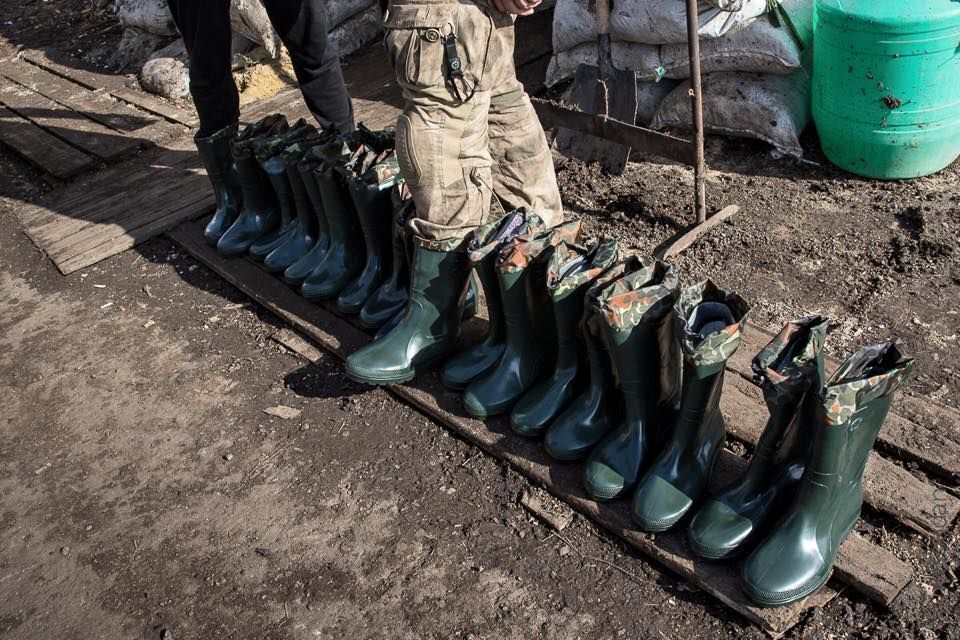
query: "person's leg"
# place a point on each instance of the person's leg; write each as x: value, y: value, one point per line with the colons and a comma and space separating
x: 302, y: 26
x: 205, y: 28
x: 523, y: 173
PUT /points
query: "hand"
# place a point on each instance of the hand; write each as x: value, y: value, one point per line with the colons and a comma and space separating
x: 519, y: 7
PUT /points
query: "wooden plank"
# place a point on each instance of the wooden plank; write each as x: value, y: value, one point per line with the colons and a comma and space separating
x: 98, y: 106
x: 109, y: 112
x: 199, y: 204
x: 882, y: 580
x: 152, y: 104
x: 95, y: 199
x: 40, y: 148
x: 887, y: 488
x: 112, y: 84
x: 553, y: 116
x: 930, y: 440
x: 74, y: 72
x: 66, y: 124
x: 686, y: 239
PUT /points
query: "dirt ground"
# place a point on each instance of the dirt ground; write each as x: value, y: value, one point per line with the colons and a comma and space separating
x: 145, y: 493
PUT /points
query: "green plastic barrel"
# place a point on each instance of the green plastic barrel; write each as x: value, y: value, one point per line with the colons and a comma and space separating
x: 886, y: 85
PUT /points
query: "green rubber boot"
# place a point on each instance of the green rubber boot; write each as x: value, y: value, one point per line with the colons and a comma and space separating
x: 571, y: 270
x: 638, y: 325
x: 302, y: 240
x: 790, y: 369
x: 215, y: 154
x: 390, y: 299
x: 297, y: 272
x: 593, y: 414
x: 521, y: 271
x: 371, y: 197
x: 346, y: 256
x: 270, y: 156
x: 484, y: 245
x: 260, y: 213
x: 430, y: 327
x: 711, y: 322
x: 796, y: 557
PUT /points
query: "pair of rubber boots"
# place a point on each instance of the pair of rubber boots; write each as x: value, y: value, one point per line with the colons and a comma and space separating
x: 801, y: 494
x: 428, y: 329
x: 669, y: 349
x: 520, y: 346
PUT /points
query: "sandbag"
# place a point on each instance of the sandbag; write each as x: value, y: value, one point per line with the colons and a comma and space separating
x: 149, y: 16
x: 249, y: 19
x: 573, y: 24
x: 768, y: 107
x: 357, y: 31
x: 649, y: 96
x: 665, y: 21
x: 339, y: 11
x: 760, y: 48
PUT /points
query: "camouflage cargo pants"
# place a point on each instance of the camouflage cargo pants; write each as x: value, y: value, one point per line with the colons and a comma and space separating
x: 459, y: 142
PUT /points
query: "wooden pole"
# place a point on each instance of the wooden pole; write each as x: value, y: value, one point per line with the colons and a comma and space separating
x: 696, y: 99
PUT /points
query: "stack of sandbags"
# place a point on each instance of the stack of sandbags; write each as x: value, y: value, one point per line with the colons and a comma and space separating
x: 746, y: 57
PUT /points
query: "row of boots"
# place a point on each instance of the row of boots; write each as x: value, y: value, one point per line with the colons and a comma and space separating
x: 611, y: 362
x: 328, y: 212
x: 605, y: 358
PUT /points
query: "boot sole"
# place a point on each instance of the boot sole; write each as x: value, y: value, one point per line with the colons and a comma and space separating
x: 767, y: 599
x: 378, y: 381
x: 712, y: 553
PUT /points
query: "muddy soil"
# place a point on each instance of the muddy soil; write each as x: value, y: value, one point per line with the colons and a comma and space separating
x: 146, y: 494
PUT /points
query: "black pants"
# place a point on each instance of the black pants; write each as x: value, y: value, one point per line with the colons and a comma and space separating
x: 302, y: 27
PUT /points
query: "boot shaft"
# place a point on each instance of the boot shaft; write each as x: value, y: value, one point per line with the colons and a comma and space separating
x: 306, y: 168
x: 217, y: 157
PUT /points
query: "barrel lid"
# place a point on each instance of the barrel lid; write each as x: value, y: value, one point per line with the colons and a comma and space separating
x: 896, y: 15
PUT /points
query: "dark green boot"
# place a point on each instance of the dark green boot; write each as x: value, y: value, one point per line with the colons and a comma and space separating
x: 216, y: 157
x: 430, y: 327
x: 796, y: 557
x: 484, y: 245
x: 260, y: 213
x: 371, y: 197
x: 790, y: 369
x: 571, y: 270
x: 345, y: 258
x: 639, y: 329
x: 297, y: 245
x: 711, y: 322
x: 390, y: 299
x: 469, y: 310
x: 521, y: 271
x: 297, y: 272
x: 592, y: 415
x: 270, y: 155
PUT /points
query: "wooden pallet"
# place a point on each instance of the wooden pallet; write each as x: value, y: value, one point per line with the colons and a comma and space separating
x: 861, y: 565
x: 65, y: 128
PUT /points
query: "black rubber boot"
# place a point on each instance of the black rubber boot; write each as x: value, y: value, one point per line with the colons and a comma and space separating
x: 391, y: 297
x: 711, y: 323
x: 796, y: 557
x: 217, y: 159
x: 521, y: 271
x: 260, y: 213
x: 297, y: 272
x: 430, y: 327
x: 346, y: 256
x: 594, y: 413
x: 570, y: 272
x: 638, y: 325
x: 371, y: 198
x: 269, y: 153
x: 790, y: 370
x: 302, y: 240
x: 484, y: 245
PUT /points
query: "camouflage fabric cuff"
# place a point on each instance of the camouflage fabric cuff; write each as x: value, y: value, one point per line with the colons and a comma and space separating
x: 639, y: 296
x: 793, y: 355
x: 872, y: 372
x: 270, y: 125
x: 709, y: 354
x: 600, y: 257
x: 480, y: 241
x: 384, y: 173
x: 522, y: 250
